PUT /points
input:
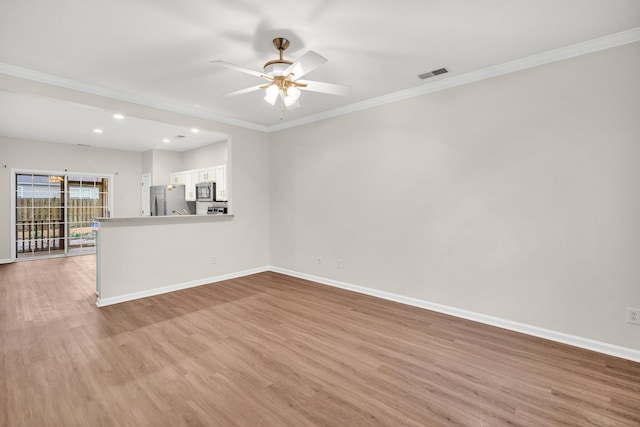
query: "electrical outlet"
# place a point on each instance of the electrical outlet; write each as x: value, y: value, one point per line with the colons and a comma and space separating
x: 633, y: 315
x: 213, y: 259
x: 338, y: 263
x: 319, y: 260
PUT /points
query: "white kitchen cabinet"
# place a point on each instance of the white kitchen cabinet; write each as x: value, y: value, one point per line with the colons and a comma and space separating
x: 177, y: 178
x: 221, y: 182
x: 191, y: 179
x: 206, y: 175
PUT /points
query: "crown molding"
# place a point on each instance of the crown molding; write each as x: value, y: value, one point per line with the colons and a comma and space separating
x: 606, y: 42
x: 37, y: 76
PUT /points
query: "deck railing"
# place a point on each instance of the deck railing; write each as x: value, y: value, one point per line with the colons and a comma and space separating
x: 36, y: 236
x: 40, y: 227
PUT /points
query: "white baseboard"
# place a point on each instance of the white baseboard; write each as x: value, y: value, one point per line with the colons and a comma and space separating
x: 102, y: 302
x: 576, y: 341
x: 5, y: 260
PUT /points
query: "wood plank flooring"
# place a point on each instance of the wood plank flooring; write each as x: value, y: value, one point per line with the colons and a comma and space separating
x: 271, y: 350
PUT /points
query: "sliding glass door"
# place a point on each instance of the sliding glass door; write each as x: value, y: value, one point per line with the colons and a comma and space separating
x: 55, y: 214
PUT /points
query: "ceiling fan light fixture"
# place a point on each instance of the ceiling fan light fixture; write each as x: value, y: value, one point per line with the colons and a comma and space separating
x: 272, y: 93
x: 288, y: 101
x: 292, y: 95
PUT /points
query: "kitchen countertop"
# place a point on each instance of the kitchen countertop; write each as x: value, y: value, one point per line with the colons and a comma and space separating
x: 168, y: 219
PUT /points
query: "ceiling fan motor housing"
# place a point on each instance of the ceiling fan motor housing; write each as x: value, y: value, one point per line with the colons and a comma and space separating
x: 277, y: 66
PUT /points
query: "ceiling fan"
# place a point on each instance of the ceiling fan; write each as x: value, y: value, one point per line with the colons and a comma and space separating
x: 283, y: 78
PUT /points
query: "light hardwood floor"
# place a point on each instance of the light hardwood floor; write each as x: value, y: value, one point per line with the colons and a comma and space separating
x: 271, y: 350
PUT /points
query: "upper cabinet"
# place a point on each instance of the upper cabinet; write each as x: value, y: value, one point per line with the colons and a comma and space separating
x: 206, y: 175
x: 177, y: 178
x: 221, y: 182
x: 189, y: 179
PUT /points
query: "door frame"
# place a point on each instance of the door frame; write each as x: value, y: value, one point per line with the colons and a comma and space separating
x: 17, y: 171
x: 145, y: 203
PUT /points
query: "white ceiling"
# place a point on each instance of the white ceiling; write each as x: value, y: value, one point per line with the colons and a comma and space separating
x: 45, y: 119
x: 158, y: 52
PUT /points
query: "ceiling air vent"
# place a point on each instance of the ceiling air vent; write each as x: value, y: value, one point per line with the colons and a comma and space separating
x: 433, y: 73
x: 179, y: 136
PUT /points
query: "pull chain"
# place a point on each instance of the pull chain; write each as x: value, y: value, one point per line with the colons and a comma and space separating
x: 282, y: 108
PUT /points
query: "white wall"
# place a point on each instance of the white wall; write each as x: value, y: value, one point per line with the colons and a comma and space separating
x: 147, y: 162
x: 164, y: 163
x: 166, y: 255
x: 161, y: 163
x: 23, y: 154
x: 204, y: 157
x: 515, y: 197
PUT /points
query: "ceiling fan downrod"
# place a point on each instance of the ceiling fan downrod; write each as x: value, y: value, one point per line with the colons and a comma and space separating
x: 281, y: 44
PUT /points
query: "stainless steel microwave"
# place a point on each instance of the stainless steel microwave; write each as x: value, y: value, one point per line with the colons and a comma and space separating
x: 206, y: 192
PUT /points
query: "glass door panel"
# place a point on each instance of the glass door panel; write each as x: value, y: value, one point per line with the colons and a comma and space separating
x: 39, y: 199
x: 84, y: 205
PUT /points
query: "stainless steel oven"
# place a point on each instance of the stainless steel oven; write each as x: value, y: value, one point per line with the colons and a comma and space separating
x: 206, y: 192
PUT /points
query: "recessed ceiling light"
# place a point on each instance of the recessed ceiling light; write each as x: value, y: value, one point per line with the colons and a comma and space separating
x: 118, y: 116
x: 194, y: 130
x: 166, y: 140
x: 97, y: 130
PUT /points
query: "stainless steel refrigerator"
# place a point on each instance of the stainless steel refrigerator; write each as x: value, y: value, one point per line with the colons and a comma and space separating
x: 169, y: 200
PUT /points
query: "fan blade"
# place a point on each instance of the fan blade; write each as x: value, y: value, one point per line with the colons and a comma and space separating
x: 243, y: 91
x: 239, y: 68
x: 305, y: 64
x: 322, y: 87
